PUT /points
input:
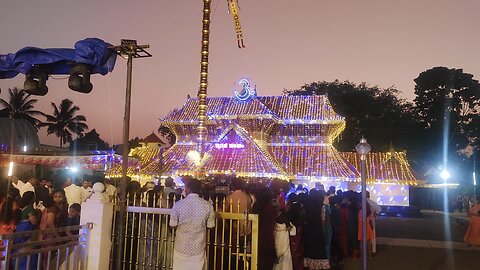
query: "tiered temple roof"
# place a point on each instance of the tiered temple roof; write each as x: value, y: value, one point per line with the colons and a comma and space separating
x: 288, y: 137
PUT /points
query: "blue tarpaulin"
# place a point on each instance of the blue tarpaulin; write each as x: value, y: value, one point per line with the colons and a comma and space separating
x: 92, y: 51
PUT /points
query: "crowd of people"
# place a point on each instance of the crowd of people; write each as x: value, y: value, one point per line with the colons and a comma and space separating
x: 36, y: 205
x: 298, y: 228
x: 308, y: 229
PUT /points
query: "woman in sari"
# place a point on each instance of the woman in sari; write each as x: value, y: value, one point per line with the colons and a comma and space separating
x: 28, y: 222
x: 315, y: 252
x: 282, y: 242
x: 263, y: 206
x: 54, y: 216
x: 296, y: 216
x: 369, y: 236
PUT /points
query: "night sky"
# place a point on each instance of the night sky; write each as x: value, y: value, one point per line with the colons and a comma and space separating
x: 289, y: 43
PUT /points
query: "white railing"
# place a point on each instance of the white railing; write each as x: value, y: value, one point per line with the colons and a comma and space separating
x: 58, y: 248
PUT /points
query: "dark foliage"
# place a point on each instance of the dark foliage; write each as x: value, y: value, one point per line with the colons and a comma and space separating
x: 90, y: 141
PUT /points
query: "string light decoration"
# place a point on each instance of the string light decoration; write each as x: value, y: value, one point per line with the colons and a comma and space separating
x: 315, y: 161
x: 286, y: 137
x: 92, y: 162
x: 390, y: 167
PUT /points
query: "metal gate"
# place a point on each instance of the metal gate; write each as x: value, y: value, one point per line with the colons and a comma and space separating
x: 149, y: 242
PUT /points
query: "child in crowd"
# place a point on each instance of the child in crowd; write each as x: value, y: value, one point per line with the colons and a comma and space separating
x: 74, y: 216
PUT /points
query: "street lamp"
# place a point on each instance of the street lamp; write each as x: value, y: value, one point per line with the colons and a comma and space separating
x: 363, y: 148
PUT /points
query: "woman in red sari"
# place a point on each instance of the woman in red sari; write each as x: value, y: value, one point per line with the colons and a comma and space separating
x: 370, y: 234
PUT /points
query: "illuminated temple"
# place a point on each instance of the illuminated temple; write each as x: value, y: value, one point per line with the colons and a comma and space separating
x: 285, y: 137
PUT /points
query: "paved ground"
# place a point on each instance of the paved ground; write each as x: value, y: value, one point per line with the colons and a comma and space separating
x: 406, y: 258
x: 430, y: 227
x: 421, y: 244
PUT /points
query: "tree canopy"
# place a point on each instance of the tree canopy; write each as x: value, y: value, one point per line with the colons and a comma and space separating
x: 447, y: 99
x: 378, y: 114
x: 64, y: 122
x: 167, y: 133
x: 447, y: 102
x: 20, y: 105
x: 134, y: 143
x: 89, y: 141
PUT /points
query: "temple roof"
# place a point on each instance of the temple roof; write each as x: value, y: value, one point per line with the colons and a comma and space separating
x: 287, y: 109
x: 152, y: 138
x: 314, y: 162
x: 301, y: 163
x: 297, y: 145
x: 386, y: 167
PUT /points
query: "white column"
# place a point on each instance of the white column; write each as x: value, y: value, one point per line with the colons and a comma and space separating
x: 98, y: 211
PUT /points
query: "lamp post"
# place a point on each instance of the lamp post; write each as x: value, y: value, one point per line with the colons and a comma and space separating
x: 363, y: 148
x: 130, y: 50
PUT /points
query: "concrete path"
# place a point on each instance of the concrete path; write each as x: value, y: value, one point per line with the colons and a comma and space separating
x: 425, y: 243
x: 433, y: 242
x: 390, y: 257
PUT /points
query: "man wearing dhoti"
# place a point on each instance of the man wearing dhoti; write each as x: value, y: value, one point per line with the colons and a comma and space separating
x: 191, y: 217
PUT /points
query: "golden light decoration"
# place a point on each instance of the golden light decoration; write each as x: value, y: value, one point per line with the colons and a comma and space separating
x: 286, y: 137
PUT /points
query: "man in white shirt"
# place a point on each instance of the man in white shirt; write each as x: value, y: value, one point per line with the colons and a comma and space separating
x: 29, y: 186
x: 73, y: 193
x: 86, y: 190
x: 17, y: 183
x: 110, y: 190
x: 191, y: 217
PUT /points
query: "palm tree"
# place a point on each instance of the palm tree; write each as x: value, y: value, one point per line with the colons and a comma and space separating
x: 64, y: 123
x: 20, y: 106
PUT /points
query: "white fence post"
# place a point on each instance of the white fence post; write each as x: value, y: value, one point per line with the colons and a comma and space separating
x: 98, y: 211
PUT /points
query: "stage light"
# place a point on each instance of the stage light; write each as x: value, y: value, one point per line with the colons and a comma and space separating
x: 36, y: 81
x: 79, y: 79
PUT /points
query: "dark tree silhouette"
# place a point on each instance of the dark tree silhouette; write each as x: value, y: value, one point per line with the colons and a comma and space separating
x: 133, y: 143
x: 64, y: 122
x: 449, y: 98
x: 167, y: 133
x: 378, y: 114
x: 20, y: 105
x: 89, y: 141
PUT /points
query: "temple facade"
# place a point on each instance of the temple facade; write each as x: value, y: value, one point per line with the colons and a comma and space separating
x: 285, y: 137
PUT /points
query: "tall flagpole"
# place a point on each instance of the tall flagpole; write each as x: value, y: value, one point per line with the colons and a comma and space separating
x: 202, y: 91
